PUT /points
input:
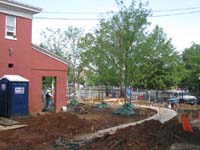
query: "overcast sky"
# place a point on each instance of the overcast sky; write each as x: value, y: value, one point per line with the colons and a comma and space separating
x: 182, y: 26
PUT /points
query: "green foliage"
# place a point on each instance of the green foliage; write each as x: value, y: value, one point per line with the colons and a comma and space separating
x: 120, y: 52
x: 191, y: 59
x: 109, y: 50
x: 65, y: 44
x: 47, y: 82
x: 54, y: 41
x: 156, y: 63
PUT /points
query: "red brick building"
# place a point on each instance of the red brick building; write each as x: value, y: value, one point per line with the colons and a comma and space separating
x: 18, y: 56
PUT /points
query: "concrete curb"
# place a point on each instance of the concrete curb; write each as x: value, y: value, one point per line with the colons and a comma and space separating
x: 163, y: 115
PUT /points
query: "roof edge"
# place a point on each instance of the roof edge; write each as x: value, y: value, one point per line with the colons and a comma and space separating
x: 50, y: 54
x: 21, y: 5
x: 14, y: 78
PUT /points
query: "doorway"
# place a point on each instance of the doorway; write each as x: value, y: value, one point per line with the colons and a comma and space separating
x: 48, y: 93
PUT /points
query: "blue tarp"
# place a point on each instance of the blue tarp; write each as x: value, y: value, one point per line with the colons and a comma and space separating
x: 173, y: 100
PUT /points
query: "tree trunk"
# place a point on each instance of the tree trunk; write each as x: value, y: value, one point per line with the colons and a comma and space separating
x: 122, y: 90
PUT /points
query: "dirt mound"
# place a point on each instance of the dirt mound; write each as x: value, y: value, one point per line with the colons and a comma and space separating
x: 172, y: 132
x: 44, y: 130
x: 148, y: 135
x: 54, y: 122
x: 139, y: 137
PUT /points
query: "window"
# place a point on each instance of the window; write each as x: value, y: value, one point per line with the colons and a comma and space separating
x: 10, y: 27
x: 10, y: 65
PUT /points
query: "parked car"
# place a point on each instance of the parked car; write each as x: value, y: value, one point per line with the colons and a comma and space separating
x: 186, y: 98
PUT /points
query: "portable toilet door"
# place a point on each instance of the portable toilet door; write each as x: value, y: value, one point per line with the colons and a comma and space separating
x: 18, y: 102
x: 3, y: 98
x: 15, y: 100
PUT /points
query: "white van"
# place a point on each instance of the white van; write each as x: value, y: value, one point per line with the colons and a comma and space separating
x: 185, y: 97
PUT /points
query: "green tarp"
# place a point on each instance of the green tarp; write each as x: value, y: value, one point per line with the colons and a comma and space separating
x: 103, y: 105
x: 126, y: 110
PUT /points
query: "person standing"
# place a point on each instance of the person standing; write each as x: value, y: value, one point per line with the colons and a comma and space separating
x: 149, y: 95
x: 129, y: 93
x: 48, y: 97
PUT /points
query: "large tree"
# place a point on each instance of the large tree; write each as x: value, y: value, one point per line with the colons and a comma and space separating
x: 156, y: 64
x: 116, y: 40
x: 65, y: 44
x: 191, y: 59
x: 54, y: 41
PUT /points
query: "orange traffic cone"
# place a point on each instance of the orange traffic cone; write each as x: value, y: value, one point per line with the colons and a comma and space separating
x: 186, y: 124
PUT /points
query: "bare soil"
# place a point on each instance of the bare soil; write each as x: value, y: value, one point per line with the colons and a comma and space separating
x: 43, y: 131
x: 150, y: 135
x: 56, y: 131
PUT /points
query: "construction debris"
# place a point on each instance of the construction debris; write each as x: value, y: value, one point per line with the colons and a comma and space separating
x: 3, y: 128
x: 82, y: 108
x: 183, y: 146
x: 7, y: 122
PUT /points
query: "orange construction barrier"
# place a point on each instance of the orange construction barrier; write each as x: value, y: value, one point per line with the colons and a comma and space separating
x: 186, y: 123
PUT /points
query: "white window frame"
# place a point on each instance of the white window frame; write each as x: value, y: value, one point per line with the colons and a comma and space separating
x: 11, y: 37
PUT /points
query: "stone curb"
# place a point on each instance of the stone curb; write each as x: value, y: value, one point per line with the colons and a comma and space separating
x: 163, y: 115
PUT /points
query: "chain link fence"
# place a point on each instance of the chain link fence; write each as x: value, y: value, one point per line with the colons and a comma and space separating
x: 105, y: 92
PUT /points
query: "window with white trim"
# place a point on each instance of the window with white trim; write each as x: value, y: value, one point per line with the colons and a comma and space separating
x: 11, y: 27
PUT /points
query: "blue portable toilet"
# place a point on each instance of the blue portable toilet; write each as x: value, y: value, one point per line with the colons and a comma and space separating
x: 13, y: 96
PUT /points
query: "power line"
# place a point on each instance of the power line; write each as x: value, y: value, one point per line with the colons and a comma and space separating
x: 176, y: 14
x: 176, y: 9
x: 72, y: 13
x: 164, y: 15
x: 48, y: 18
x: 164, y: 10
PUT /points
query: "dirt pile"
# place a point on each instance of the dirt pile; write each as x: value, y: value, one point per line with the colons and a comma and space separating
x: 172, y: 132
x: 43, y: 131
x: 148, y: 135
x: 56, y: 131
x: 139, y: 137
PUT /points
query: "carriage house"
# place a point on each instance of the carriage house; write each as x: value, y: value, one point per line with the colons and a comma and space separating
x: 18, y: 56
